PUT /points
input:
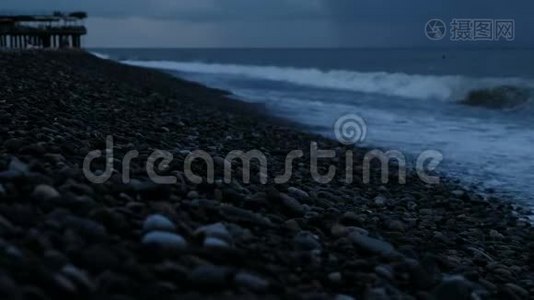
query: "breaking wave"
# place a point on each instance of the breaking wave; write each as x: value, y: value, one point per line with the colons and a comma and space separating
x: 101, y: 55
x: 447, y: 87
x: 501, y: 97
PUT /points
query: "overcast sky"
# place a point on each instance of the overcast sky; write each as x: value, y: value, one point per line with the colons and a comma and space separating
x: 277, y: 23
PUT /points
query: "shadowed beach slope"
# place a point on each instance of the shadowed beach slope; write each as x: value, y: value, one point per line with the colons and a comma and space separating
x: 65, y: 237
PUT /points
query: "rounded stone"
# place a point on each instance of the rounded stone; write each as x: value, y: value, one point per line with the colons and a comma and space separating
x: 210, y: 277
x: 216, y: 230
x: 193, y: 195
x: 250, y: 281
x: 165, y: 240
x: 212, y: 242
x: 158, y: 223
x: 371, y: 245
x: 45, y: 192
x: 379, y: 200
x: 335, y: 277
x: 306, y: 241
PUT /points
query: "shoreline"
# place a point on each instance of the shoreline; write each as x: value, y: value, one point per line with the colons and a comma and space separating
x: 518, y: 197
x: 299, y: 239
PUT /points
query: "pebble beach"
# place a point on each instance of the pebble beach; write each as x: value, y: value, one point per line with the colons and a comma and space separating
x: 65, y: 237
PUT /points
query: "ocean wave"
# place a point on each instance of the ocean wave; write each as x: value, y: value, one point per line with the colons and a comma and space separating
x: 447, y: 87
x: 101, y: 55
x: 501, y: 97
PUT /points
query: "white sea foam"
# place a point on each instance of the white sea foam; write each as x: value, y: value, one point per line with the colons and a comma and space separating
x: 390, y: 84
x: 485, y: 148
x: 101, y: 55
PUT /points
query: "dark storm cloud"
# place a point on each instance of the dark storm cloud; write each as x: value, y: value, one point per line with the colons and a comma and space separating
x: 352, y: 9
x: 337, y: 10
x: 400, y: 23
x: 193, y: 10
x: 345, y: 23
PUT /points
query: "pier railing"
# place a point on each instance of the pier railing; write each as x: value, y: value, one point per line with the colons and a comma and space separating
x: 56, y: 30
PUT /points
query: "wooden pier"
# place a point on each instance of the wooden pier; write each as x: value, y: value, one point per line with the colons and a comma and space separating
x: 58, y: 30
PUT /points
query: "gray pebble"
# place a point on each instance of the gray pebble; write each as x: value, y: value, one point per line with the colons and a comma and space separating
x: 79, y: 277
x: 517, y: 290
x: 251, y: 282
x: 385, y: 271
x: 458, y: 193
x: 213, y: 242
x: 6, y: 226
x: 454, y: 287
x: 292, y: 204
x: 165, y: 240
x: 335, y: 277
x: 158, y: 223
x: 15, y: 165
x: 193, y: 195
x: 45, y: 192
x: 216, y: 230
x: 379, y: 200
x: 210, y: 277
x: 297, y: 192
x: 494, y: 234
x: 371, y: 245
x: 395, y: 225
x: 306, y: 241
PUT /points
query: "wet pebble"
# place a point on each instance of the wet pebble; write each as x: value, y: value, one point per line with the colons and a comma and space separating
x: 454, y: 287
x: 292, y: 205
x: 380, y: 200
x: 213, y: 242
x: 494, y: 234
x: 216, y: 231
x: 158, y: 223
x: 306, y: 241
x: 79, y: 277
x: 296, y: 192
x: 251, y: 281
x: 45, y: 192
x: 208, y: 277
x: 371, y: 245
x: 335, y: 277
x: 164, y: 240
x: 193, y: 195
x: 517, y: 290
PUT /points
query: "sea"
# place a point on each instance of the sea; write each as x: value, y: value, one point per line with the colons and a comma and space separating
x: 408, y: 100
